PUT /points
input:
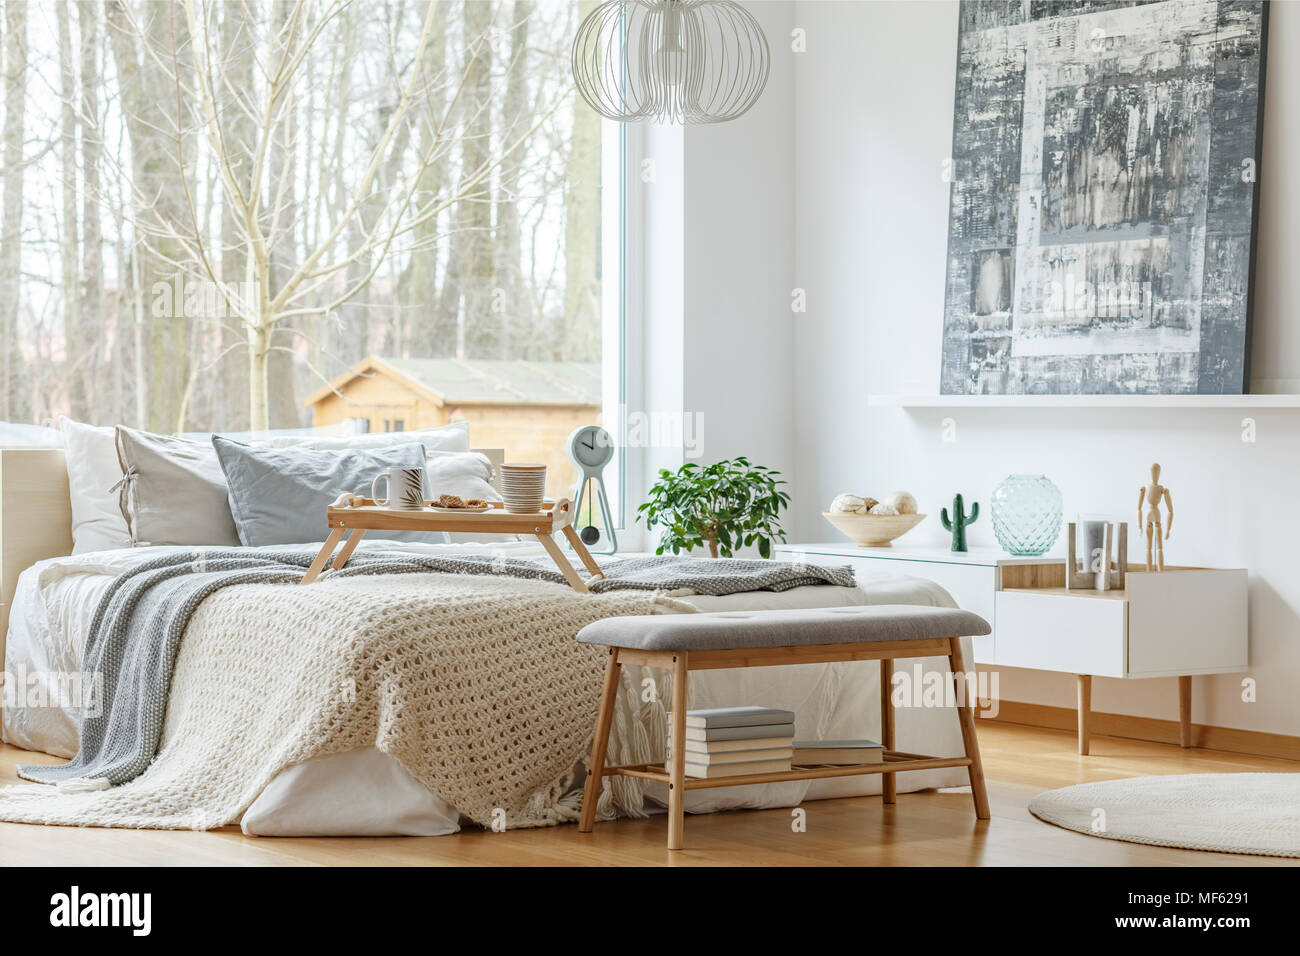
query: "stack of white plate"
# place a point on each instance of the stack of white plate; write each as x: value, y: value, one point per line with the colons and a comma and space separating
x: 523, y: 486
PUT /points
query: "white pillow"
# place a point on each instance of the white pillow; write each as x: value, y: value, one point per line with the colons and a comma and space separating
x: 453, y: 437
x: 93, y: 470
x: 467, y: 474
x: 177, y: 492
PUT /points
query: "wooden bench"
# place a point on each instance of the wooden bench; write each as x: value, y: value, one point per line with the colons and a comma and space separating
x: 682, y: 643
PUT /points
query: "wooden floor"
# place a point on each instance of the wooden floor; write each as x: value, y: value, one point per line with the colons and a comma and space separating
x: 922, y: 829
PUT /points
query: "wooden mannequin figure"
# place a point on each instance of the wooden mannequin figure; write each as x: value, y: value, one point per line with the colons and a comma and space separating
x: 1152, y: 495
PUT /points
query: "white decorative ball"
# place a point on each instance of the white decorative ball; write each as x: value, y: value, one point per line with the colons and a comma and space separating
x: 902, y: 503
x: 884, y: 508
x: 846, y: 504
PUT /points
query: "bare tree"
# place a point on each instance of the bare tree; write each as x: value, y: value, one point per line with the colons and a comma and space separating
x: 282, y: 405
x: 238, y: 47
x: 402, y: 176
x: 419, y: 282
x: 159, y: 185
x: 581, y: 231
x: 91, y: 300
x: 515, y: 314
x: 370, y: 224
x: 69, y: 226
x: 11, y: 216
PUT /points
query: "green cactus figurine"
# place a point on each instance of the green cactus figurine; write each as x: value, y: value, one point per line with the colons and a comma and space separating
x: 959, y: 521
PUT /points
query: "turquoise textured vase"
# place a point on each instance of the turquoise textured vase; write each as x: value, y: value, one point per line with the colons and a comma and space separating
x: 1026, y: 514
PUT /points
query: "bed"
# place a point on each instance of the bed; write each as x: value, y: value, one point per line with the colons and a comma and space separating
x: 365, y: 791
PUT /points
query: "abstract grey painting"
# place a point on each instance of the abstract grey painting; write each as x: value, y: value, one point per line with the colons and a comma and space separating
x: 1104, y: 194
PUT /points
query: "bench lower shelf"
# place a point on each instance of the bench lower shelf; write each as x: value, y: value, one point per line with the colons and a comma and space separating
x: 894, y: 762
x: 681, y: 662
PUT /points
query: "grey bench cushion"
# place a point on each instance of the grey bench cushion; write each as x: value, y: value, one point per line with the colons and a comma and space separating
x: 731, y: 630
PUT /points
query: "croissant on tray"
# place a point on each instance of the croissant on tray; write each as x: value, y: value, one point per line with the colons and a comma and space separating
x: 456, y: 501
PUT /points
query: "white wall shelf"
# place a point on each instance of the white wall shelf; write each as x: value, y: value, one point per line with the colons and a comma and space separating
x: 1084, y: 401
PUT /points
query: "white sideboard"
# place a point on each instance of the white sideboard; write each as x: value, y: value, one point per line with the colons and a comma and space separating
x: 971, y: 577
x: 1176, y: 623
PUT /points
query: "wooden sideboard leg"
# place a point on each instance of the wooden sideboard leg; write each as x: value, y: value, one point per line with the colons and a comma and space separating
x: 1085, y: 710
x: 889, y: 781
x: 677, y: 756
x: 1184, y: 712
x: 966, y: 716
x: 600, y: 743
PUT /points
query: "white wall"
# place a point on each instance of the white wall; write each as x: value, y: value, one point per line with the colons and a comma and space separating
x: 717, y: 225
x: 872, y: 126
x: 833, y: 184
x: 739, y: 261
x: 658, y: 381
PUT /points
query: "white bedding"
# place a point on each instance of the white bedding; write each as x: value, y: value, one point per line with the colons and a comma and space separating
x: 367, y: 793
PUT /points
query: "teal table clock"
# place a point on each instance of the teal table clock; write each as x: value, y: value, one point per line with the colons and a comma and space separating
x: 591, y: 448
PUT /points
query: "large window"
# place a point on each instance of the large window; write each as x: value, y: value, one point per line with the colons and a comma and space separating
x: 215, y: 214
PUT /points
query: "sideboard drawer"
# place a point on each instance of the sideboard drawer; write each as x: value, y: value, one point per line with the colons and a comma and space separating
x: 1077, y: 635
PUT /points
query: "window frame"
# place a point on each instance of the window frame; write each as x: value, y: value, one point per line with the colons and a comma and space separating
x: 622, y: 216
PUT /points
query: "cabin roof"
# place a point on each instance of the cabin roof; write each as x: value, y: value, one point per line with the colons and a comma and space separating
x: 480, y: 381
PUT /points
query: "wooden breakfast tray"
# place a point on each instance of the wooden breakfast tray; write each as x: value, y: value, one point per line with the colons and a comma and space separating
x: 355, y: 514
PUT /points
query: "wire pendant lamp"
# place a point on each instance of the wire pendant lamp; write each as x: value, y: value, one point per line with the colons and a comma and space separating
x: 672, y: 61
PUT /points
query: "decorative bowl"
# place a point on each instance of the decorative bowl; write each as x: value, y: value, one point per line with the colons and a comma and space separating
x: 872, y: 531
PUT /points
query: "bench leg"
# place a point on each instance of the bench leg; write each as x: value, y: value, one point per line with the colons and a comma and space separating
x: 677, y: 757
x: 888, y: 781
x: 604, y: 720
x: 966, y: 715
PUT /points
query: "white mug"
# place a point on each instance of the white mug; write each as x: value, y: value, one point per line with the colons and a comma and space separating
x: 405, y: 489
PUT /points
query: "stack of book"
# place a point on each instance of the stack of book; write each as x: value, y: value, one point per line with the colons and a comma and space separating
x: 836, y: 753
x: 732, y: 741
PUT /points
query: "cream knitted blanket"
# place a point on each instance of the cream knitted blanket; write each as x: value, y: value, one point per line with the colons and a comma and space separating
x: 475, y: 684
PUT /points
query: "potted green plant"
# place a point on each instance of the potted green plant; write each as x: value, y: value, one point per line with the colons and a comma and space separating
x: 727, y: 505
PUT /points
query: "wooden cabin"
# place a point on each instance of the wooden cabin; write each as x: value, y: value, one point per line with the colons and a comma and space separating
x: 527, y: 408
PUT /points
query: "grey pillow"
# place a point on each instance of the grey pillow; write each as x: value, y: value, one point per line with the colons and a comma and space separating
x: 173, y: 491
x: 279, y: 495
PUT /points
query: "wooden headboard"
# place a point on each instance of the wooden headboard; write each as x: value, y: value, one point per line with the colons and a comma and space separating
x: 35, y: 517
x: 36, y: 514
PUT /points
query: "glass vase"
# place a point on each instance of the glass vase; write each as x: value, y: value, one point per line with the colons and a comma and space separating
x: 1026, y: 514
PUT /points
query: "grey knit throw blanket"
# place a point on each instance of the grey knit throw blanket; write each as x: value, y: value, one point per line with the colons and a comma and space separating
x: 137, y: 628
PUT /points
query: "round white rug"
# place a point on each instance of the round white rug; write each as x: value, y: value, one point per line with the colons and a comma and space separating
x: 1226, y: 812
